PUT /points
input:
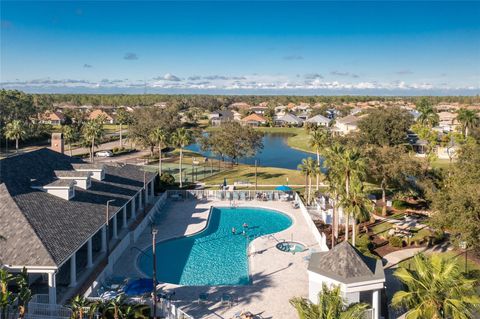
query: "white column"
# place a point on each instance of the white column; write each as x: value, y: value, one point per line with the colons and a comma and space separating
x: 89, y: 253
x: 376, y: 304
x: 134, y: 213
x: 52, y: 288
x: 104, y: 239
x: 73, y: 270
x: 140, y: 200
x: 124, y: 216
x: 115, y: 226
x: 147, y: 194
x: 152, y: 190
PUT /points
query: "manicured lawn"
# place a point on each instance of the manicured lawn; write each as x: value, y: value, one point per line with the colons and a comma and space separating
x: 441, y: 163
x: 458, y: 256
x: 382, y: 229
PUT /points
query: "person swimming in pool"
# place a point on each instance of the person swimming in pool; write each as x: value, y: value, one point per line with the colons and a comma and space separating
x: 245, y: 225
x: 234, y: 231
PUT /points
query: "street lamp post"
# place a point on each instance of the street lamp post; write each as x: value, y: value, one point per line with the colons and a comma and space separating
x: 154, y: 272
x: 107, y: 230
x: 463, y: 245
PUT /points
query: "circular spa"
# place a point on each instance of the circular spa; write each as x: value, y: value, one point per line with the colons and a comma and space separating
x: 291, y: 247
x: 218, y: 254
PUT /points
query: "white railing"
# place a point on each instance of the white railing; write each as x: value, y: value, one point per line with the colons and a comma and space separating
x: 171, y: 311
x: 320, y: 237
x: 368, y: 314
x: 235, y: 195
x: 43, y: 310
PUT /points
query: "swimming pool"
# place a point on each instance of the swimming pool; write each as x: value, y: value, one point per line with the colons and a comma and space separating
x: 214, y: 256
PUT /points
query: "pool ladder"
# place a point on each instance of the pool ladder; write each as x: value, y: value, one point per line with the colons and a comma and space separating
x: 275, y: 238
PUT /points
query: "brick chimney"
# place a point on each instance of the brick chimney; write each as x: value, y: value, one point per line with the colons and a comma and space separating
x: 57, y: 142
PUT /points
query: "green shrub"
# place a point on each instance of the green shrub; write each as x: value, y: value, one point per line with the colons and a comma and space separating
x: 400, y: 204
x: 438, y: 237
x: 395, y: 241
x: 167, y: 179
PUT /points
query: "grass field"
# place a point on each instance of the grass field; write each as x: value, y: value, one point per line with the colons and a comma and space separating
x: 458, y: 256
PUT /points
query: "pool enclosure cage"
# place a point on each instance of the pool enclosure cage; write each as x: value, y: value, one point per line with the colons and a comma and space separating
x: 235, y: 195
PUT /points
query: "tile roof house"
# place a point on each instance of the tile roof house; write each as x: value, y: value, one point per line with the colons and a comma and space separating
x: 254, y: 120
x: 98, y: 113
x: 53, y: 118
x: 360, y: 278
x: 53, y: 208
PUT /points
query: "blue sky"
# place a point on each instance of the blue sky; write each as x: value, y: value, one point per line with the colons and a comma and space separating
x: 379, y: 47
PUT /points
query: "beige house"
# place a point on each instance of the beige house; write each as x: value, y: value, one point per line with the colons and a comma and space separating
x: 99, y: 113
x: 53, y: 118
x: 346, y: 124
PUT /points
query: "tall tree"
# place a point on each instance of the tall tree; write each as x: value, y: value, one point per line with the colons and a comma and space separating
x: 319, y: 141
x: 92, y: 133
x: 147, y: 119
x: 345, y: 164
x: 234, y: 141
x: 469, y: 119
x: 24, y: 294
x: 357, y: 206
x: 15, y: 105
x: 15, y: 130
x: 391, y: 167
x: 455, y: 201
x: 308, y: 167
x: 428, y: 116
x: 385, y: 126
x: 70, y: 135
x: 161, y: 137
x: 123, y: 118
x: 331, y: 305
x: 181, y: 138
x: 436, y: 288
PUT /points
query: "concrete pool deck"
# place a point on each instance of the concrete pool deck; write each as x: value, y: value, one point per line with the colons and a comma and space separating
x: 276, y: 276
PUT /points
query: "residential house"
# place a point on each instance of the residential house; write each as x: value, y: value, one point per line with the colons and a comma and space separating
x: 346, y: 124
x: 288, y: 119
x: 95, y: 114
x: 217, y: 118
x: 54, y: 213
x: 258, y: 109
x: 280, y: 110
x: 447, y: 121
x: 53, y: 118
x: 302, y: 107
x: 239, y: 106
x: 254, y: 120
x: 319, y: 120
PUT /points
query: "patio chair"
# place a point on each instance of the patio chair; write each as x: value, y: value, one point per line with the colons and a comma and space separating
x: 202, y: 297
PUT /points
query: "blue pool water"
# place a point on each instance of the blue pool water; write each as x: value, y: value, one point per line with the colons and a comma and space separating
x: 214, y: 256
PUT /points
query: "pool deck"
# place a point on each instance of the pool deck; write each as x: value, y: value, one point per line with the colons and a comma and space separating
x: 276, y: 276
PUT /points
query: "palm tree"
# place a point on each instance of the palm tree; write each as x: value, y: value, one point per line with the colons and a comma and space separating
x: 345, y: 164
x: 319, y: 140
x: 330, y: 305
x: 123, y: 118
x: 69, y: 134
x: 427, y: 116
x: 436, y: 288
x: 161, y: 138
x: 181, y: 138
x: 78, y: 306
x: 15, y: 130
x: 114, y: 305
x: 308, y: 167
x: 24, y: 293
x: 92, y: 132
x: 357, y: 206
x: 468, y: 119
x: 6, y: 296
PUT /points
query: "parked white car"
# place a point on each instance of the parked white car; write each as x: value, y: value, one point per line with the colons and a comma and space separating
x: 104, y: 154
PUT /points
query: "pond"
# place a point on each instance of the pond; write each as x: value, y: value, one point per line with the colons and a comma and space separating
x: 275, y: 153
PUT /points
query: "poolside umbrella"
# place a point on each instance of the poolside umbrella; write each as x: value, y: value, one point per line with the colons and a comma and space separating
x: 283, y: 188
x: 138, y: 287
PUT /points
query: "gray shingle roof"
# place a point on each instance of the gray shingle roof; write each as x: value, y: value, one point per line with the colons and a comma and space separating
x: 72, y: 173
x: 35, y: 218
x: 344, y: 263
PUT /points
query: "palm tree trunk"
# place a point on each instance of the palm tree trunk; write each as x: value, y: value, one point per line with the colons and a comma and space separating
x: 384, y: 198
x: 347, y: 217
x: 91, y: 154
x: 318, y: 174
x: 121, y: 140
x: 309, y: 190
x: 70, y: 148
x: 16, y: 144
x: 180, y: 173
x: 334, y: 211
x: 354, y: 231
x: 466, y: 131
x: 159, y: 160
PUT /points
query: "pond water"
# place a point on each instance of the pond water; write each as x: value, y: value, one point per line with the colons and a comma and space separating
x: 275, y: 153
